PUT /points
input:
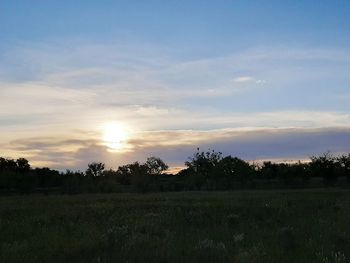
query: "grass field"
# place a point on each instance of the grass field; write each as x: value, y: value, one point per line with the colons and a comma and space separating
x: 246, y: 226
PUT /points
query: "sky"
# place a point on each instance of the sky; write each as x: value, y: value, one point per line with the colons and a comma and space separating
x: 119, y: 81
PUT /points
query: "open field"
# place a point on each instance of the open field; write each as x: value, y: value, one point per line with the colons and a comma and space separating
x: 244, y: 226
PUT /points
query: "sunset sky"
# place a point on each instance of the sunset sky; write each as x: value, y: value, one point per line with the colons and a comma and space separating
x: 118, y: 81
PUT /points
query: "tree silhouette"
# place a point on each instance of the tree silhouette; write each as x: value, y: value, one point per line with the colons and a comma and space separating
x: 202, y: 166
x: 8, y: 164
x: 95, y: 169
x: 23, y: 165
x: 139, y: 176
x: 344, y: 162
x: 205, y: 171
x: 235, y: 169
x: 324, y: 166
x: 155, y: 166
x: 269, y: 170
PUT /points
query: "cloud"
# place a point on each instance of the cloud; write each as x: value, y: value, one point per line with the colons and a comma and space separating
x: 176, y: 146
x: 261, y: 81
x: 58, y: 153
x: 116, y: 73
x: 151, y: 111
x: 64, y: 91
x: 112, y: 66
x: 243, y: 79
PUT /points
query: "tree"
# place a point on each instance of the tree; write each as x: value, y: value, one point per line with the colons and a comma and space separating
x: 324, y: 166
x: 202, y: 165
x: 23, y: 165
x: 7, y: 164
x: 73, y: 182
x: 204, y: 161
x: 3, y: 164
x: 269, y: 170
x: 139, y: 176
x: 344, y: 162
x: 124, y: 174
x: 95, y: 169
x: 234, y: 169
x: 155, y: 166
x: 134, y: 174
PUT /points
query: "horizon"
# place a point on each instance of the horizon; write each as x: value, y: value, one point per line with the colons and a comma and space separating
x: 119, y: 81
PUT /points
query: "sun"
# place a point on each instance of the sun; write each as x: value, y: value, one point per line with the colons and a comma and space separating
x: 115, y: 136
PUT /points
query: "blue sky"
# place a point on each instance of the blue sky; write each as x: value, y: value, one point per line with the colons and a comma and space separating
x: 175, y: 75
x: 203, y: 25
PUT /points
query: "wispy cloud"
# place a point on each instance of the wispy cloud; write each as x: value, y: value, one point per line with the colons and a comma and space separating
x: 243, y: 79
x: 68, y: 91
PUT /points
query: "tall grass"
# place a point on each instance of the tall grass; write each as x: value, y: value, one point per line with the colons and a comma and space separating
x: 246, y: 226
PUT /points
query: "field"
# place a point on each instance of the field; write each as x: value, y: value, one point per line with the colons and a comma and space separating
x: 242, y: 226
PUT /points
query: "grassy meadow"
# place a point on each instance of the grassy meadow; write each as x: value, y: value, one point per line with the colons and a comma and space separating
x: 242, y: 226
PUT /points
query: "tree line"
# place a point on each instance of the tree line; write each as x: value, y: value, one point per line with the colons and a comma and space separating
x: 208, y: 171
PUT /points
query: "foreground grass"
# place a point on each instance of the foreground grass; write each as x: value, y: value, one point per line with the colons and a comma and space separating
x: 249, y: 226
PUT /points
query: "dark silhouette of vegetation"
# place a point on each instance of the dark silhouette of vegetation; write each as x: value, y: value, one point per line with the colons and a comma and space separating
x: 95, y: 169
x: 325, y: 166
x: 155, y: 166
x: 208, y: 171
x: 344, y: 164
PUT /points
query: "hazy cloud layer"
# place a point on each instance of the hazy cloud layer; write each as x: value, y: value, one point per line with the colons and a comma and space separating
x: 266, y: 102
x: 176, y: 146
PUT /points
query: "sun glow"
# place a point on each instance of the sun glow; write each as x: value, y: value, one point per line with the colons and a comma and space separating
x: 115, y: 136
